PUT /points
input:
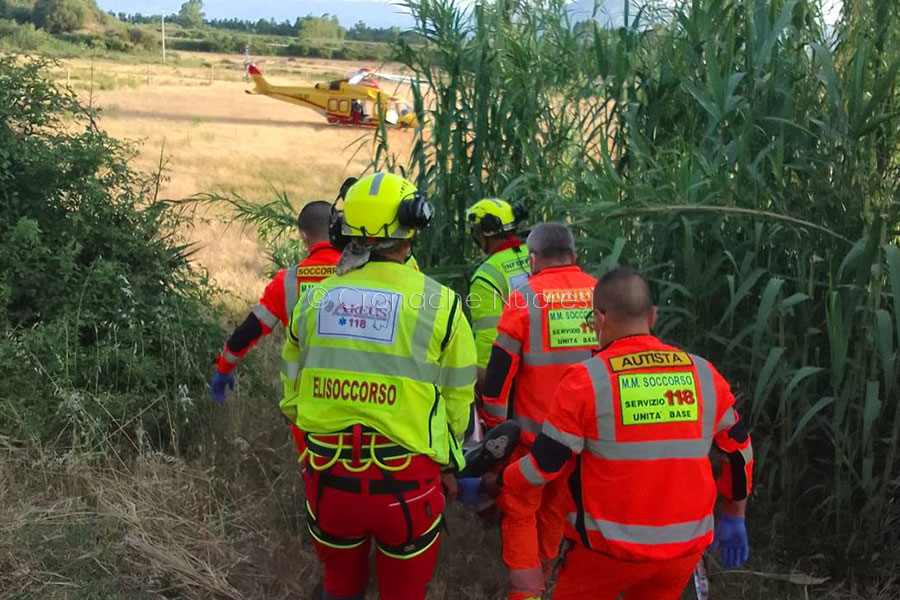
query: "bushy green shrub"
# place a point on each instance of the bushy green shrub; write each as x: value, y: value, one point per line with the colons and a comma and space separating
x: 16, y: 37
x: 17, y: 10
x: 60, y: 16
x: 107, y: 329
x: 143, y: 38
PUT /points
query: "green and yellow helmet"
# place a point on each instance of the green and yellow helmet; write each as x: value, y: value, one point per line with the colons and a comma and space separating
x: 384, y: 205
x: 492, y: 216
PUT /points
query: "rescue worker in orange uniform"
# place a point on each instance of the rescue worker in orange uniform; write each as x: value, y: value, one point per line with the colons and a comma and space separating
x: 378, y: 369
x: 541, y: 334
x: 279, y: 298
x: 637, y: 422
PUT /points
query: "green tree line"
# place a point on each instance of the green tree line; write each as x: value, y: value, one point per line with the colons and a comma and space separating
x: 309, y: 27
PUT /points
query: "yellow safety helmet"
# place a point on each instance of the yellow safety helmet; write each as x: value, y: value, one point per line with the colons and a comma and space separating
x: 384, y: 205
x: 492, y: 216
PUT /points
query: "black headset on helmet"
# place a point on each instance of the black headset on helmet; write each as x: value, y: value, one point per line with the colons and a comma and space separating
x: 414, y: 212
x: 336, y: 222
x: 492, y: 225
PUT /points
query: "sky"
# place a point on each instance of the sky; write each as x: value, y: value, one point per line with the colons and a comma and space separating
x: 375, y: 13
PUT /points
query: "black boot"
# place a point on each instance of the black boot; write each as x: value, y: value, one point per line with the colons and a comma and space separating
x: 495, y: 449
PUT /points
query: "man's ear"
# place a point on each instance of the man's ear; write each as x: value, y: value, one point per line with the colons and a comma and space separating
x: 651, y: 320
x: 531, y: 262
x: 304, y: 238
x: 599, y: 323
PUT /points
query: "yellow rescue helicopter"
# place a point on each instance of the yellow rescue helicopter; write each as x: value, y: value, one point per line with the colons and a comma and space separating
x: 357, y: 100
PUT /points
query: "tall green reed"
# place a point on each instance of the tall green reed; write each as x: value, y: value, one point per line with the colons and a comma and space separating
x: 745, y: 156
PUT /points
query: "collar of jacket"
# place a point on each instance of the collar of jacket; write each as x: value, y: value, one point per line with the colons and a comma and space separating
x: 639, y: 340
x: 512, y: 242
x: 560, y: 269
x: 320, y: 246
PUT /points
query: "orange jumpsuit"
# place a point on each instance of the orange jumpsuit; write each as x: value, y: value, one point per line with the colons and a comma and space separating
x: 637, y: 422
x: 276, y: 306
x: 543, y: 331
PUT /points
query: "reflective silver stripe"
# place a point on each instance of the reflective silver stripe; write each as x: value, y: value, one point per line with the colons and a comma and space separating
x: 606, y: 446
x: 425, y: 317
x: 230, y: 357
x: 709, y: 402
x: 509, y: 343
x: 423, y: 335
x: 747, y: 453
x: 648, y: 535
x: 495, y: 276
x: 560, y: 357
x: 530, y: 472
x: 535, y: 333
x: 265, y: 316
x: 457, y: 377
x: 376, y: 184
x: 485, y: 323
x: 536, y: 355
x: 301, y: 321
x: 495, y: 410
x: 290, y: 369
x: 727, y: 421
x: 603, y: 403
x: 611, y: 450
x: 373, y: 363
x: 528, y: 425
x: 291, y: 287
x: 572, y: 442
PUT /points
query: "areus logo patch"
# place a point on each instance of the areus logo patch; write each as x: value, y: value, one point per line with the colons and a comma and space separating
x: 359, y: 313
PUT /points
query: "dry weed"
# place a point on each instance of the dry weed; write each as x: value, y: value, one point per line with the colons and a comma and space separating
x: 86, y: 526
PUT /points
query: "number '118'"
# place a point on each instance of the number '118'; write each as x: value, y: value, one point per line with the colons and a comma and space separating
x: 680, y: 397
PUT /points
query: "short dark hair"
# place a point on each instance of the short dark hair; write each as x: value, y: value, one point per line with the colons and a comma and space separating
x: 623, y: 293
x: 314, y: 218
x: 551, y: 240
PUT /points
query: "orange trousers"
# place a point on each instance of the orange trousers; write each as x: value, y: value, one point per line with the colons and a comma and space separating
x: 532, y: 531
x: 588, y: 574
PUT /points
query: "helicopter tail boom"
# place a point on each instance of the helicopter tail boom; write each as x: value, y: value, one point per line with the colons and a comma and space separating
x: 262, y: 86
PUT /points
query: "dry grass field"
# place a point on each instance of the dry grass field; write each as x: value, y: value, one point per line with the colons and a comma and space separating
x: 212, y: 137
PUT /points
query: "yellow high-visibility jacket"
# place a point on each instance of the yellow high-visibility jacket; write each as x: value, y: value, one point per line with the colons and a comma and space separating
x: 489, y: 287
x: 386, y: 347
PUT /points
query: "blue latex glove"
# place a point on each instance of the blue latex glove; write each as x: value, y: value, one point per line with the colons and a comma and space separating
x: 469, y: 488
x: 217, y: 386
x: 731, y: 540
